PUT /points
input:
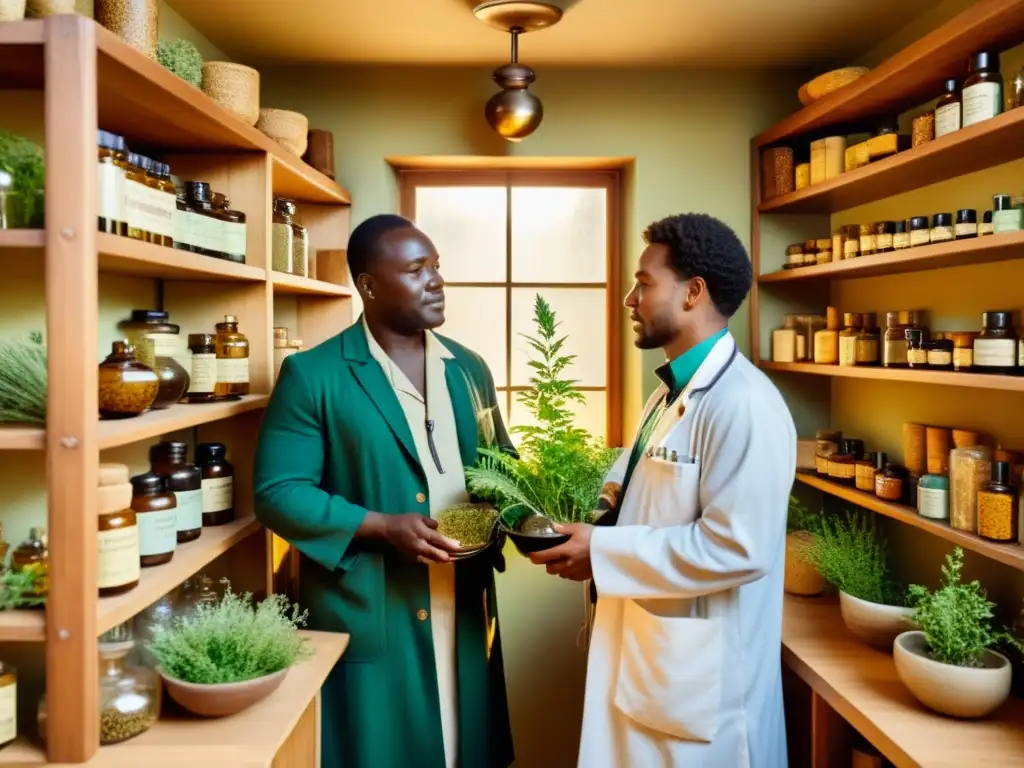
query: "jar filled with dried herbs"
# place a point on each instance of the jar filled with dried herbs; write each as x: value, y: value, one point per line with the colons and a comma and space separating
x: 282, y: 237
x: 129, y: 696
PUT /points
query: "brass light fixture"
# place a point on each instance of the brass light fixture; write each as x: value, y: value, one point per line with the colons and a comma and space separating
x: 515, y: 113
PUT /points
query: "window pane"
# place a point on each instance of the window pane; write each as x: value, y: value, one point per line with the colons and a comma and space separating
x: 559, y: 235
x: 468, y: 226
x: 581, y: 314
x: 475, y: 317
x: 591, y: 416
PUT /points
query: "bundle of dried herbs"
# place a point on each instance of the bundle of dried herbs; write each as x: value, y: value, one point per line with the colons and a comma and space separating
x: 469, y: 524
x: 23, y: 380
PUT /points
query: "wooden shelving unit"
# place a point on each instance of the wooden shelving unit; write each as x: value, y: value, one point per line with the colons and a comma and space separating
x: 91, y: 79
x: 853, y: 687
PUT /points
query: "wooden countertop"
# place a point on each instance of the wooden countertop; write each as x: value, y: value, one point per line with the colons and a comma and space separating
x: 860, y: 683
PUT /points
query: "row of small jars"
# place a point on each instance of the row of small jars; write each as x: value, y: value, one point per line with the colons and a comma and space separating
x: 143, y: 519
x: 289, y: 240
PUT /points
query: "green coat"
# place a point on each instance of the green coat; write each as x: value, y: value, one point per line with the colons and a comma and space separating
x: 333, y: 444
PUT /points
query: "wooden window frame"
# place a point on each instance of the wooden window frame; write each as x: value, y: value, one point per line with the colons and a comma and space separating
x: 609, y: 180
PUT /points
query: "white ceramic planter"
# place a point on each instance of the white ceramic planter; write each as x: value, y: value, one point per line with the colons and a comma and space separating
x: 874, y: 623
x: 966, y: 692
x: 801, y: 578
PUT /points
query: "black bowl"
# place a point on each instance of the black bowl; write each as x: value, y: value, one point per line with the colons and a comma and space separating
x: 529, y: 542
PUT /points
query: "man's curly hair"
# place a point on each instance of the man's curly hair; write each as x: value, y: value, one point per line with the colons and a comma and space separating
x: 702, y: 246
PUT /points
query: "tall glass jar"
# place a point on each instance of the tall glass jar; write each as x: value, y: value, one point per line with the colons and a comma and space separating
x: 129, y: 696
x: 138, y: 223
x: 282, y: 251
x: 159, y: 346
x: 163, y: 204
x: 300, y: 249
x: 894, y: 343
x: 232, y: 360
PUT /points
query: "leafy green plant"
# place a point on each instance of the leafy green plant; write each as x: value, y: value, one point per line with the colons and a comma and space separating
x: 800, y: 518
x: 849, y: 553
x: 183, y: 59
x: 562, y: 466
x: 232, y: 640
x: 16, y: 590
x: 23, y: 380
x: 23, y: 160
x: 957, y: 618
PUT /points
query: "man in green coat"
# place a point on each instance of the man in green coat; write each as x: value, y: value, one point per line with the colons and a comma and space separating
x: 363, y: 443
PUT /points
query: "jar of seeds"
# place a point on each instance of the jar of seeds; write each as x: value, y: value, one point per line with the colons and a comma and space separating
x: 129, y: 696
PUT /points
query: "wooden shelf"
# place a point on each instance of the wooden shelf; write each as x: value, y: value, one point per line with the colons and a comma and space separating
x: 981, y: 250
x: 980, y: 146
x: 157, y: 581
x: 22, y: 238
x: 22, y: 438
x: 877, y: 373
x: 250, y: 738
x: 22, y: 626
x: 861, y: 684
x: 914, y: 75
x: 1008, y: 554
x: 125, y: 256
x: 155, y: 423
x: 303, y: 286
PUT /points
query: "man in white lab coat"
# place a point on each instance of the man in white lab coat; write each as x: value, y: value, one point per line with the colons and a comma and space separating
x: 684, y: 666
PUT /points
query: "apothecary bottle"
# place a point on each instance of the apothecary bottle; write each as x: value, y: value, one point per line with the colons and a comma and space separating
x: 900, y: 235
x: 32, y: 556
x: 851, y: 246
x: 995, y: 349
x: 1006, y: 215
x: 111, y: 166
x: 866, y: 342
x: 186, y: 482
x: 117, y: 532
x: 917, y: 355
x: 232, y: 360
x: 218, y: 483
x: 966, y: 223
x: 884, y: 232
x: 963, y: 350
x: 158, y: 345
x: 997, y: 506
x: 810, y: 253
x: 207, y: 226
x: 161, y: 204
x: 233, y: 226
x: 867, y: 239
x: 947, y: 110
x: 156, y: 510
x: 970, y: 471
x: 794, y: 256
x: 129, y: 697
x: 982, y: 94
x: 127, y: 387
x: 940, y: 354
x: 826, y: 341
x: 848, y: 338
x: 920, y: 231
x: 282, y: 248
x: 300, y: 249
x: 942, y: 228
x: 202, y: 349
x: 894, y: 343
x: 136, y: 199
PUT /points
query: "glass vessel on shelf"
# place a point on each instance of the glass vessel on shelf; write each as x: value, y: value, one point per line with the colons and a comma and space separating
x: 127, y: 387
x: 31, y: 556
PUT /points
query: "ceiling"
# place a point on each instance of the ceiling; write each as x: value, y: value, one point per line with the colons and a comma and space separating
x: 694, y: 33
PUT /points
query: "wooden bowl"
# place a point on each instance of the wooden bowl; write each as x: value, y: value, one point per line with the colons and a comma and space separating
x: 289, y: 129
x: 222, y: 699
x: 235, y: 87
x: 825, y: 84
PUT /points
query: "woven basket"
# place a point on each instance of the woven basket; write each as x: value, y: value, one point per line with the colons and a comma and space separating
x: 235, y: 87
x: 289, y: 129
x: 825, y: 84
x: 12, y: 10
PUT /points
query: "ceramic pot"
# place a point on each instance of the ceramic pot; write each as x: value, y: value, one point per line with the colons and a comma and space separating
x: 221, y: 699
x: 967, y: 692
x: 874, y: 623
x: 802, y: 578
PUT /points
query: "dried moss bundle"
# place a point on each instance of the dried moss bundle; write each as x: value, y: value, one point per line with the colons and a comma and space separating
x: 183, y: 59
x: 469, y: 524
x: 23, y: 380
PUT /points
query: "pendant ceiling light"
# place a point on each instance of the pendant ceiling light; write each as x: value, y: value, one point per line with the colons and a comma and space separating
x: 515, y: 113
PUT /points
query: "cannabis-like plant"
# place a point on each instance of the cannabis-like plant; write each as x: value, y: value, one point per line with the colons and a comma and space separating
x: 957, y: 618
x: 562, y: 466
x: 849, y: 553
x: 23, y: 380
x: 183, y: 59
x: 231, y: 641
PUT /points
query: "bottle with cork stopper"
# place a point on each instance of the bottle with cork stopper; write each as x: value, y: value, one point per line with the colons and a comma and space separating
x: 826, y: 341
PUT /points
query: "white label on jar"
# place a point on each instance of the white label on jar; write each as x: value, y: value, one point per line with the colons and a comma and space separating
x: 795, y: 258
x: 947, y: 119
x: 933, y: 503
x: 963, y: 357
x: 982, y: 101
x: 986, y: 228
x: 118, y: 562
x: 917, y: 357
x: 218, y: 494
x: 919, y: 236
x: 111, y: 180
x: 132, y: 377
x: 8, y: 713
x: 995, y: 353
x: 941, y: 234
x: 204, y: 372
x: 964, y: 230
x: 883, y: 241
x: 1020, y: 353
x: 165, y: 344
x: 214, y: 232
x: 234, y: 238
x: 847, y: 350
x: 851, y: 247
x: 867, y: 243
x: 901, y: 240
x: 158, y: 532
x: 233, y: 370
x: 187, y: 228
x: 190, y: 509
x: 939, y: 357
x: 163, y: 207
x: 149, y: 209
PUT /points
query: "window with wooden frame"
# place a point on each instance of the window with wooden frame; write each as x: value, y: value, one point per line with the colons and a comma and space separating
x: 506, y: 236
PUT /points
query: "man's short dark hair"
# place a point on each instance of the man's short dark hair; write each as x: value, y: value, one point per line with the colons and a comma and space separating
x: 364, y: 242
x: 702, y: 246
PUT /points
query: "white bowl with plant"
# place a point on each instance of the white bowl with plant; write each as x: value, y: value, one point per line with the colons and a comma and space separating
x: 801, y: 577
x: 849, y: 553
x: 949, y: 665
x: 230, y: 654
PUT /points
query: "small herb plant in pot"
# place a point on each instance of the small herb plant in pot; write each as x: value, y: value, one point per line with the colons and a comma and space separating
x: 949, y: 665
x: 228, y: 655
x: 802, y: 578
x: 850, y: 554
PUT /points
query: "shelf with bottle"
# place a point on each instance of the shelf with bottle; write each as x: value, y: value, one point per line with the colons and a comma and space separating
x: 939, y: 378
x: 295, y: 285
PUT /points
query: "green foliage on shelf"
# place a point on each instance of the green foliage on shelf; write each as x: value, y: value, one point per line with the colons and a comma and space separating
x: 232, y: 640
x: 800, y: 518
x: 23, y: 160
x: 183, y: 59
x: 563, y: 466
x: 849, y: 553
x: 957, y: 618
x: 23, y: 380
x: 16, y: 589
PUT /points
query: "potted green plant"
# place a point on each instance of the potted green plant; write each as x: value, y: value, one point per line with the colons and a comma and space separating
x: 22, y: 175
x: 229, y: 654
x: 849, y: 553
x: 952, y: 651
x: 561, y: 468
x: 802, y: 577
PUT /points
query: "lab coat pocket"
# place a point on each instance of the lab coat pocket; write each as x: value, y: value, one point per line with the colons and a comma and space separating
x: 668, y: 493
x: 670, y: 673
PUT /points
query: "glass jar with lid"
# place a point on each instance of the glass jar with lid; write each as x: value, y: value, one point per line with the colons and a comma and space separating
x: 127, y: 387
x: 159, y: 346
x: 794, y: 256
x: 851, y: 246
x: 232, y: 360
x: 982, y: 94
x: 156, y: 510
x: 900, y: 235
x: 202, y: 385
x: 867, y: 239
x: 113, y: 163
x: 169, y: 460
x: 995, y: 348
x: 970, y: 471
x: 162, y: 203
x: 135, y: 198
x: 218, y: 483
x: 884, y: 232
x: 866, y: 341
x: 920, y: 231
x: 894, y: 343
x: 940, y: 354
x: 117, y: 532
x: 233, y: 227
x: 917, y: 355
x: 852, y: 324
x: 207, y: 228
x: 963, y: 350
x: 942, y: 230
x: 810, y: 253
x: 824, y: 247
x: 282, y: 250
x: 947, y: 109
x: 129, y: 699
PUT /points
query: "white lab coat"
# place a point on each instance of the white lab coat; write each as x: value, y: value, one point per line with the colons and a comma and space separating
x: 684, y: 666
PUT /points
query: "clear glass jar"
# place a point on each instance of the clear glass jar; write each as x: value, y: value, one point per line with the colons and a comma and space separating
x: 970, y: 471
x: 129, y: 696
x: 160, y: 614
x: 158, y: 345
x: 112, y: 163
x: 232, y: 360
x: 300, y: 249
x: 32, y: 555
x: 282, y: 249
